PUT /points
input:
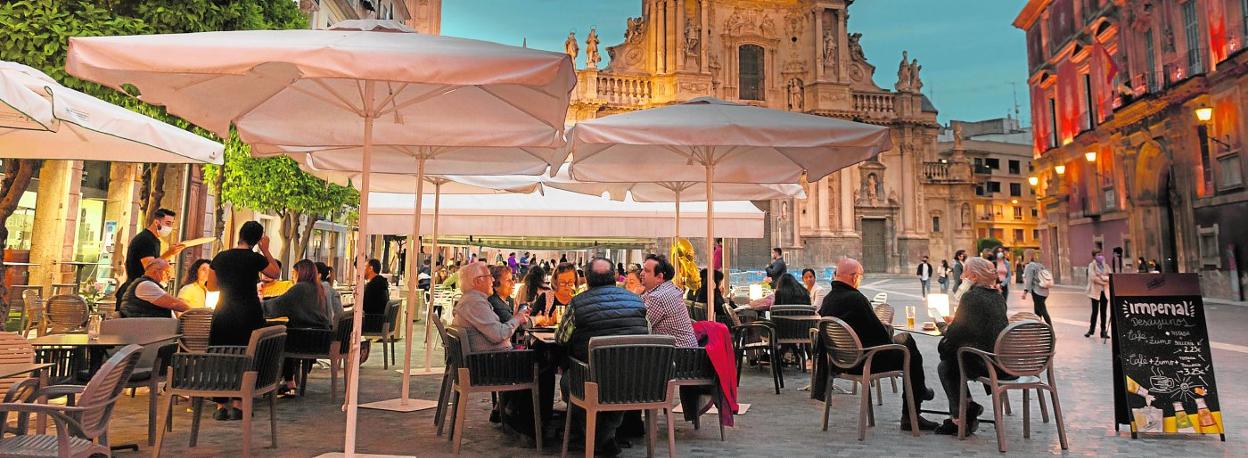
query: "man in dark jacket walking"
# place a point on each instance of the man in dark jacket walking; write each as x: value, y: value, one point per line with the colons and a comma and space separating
x: 777, y: 267
x: 602, y: 310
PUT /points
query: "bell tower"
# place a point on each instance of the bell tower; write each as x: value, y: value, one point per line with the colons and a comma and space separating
x: 426, y: 16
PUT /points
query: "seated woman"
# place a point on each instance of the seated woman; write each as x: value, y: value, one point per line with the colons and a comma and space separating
x: 979, y: 319
x: 195, y: 293
x: 304, y: 304
x: 333, y: 301
x: 721, y: 313
x: 788, y: 292
x: 632, y: 281
x: 565, y: 283
x: 533, y: 285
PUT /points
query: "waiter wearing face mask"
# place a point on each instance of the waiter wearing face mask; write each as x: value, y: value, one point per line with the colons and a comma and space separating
x: 145, y: 247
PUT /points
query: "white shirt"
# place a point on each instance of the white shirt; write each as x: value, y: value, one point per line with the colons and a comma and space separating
x: 816, y: 295
x: 926, y: 270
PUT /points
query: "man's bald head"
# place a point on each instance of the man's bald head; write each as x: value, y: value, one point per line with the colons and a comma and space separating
x: 849, y: 271
x: 156, y: 268
x: 601, y: 273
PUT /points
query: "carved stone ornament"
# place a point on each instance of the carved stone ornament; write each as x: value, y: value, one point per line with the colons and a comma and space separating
x: 592, y: 58
x: 856, y: 48
x: 767, y: 27
x: 794, y: 23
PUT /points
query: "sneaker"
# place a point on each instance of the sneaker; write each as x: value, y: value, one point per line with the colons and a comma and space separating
x: 222, y: 414
x: 924, y: 424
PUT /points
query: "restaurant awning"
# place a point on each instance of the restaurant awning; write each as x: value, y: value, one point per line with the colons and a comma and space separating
x: 560, y: 214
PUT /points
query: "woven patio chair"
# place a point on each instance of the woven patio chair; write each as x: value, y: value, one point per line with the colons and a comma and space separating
x: 66, y: 313
x: 845, y: 351
x: 694, y: 368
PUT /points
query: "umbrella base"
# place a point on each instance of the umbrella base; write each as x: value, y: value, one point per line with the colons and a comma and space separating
x: 396, y: 405
x: 362, y: 455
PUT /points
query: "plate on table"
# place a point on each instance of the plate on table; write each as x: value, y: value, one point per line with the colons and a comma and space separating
x: 542, y: 329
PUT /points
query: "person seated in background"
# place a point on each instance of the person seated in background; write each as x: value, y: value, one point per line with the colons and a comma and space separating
x: 376, y: 290
x: 272, y: 286
x: 665, y: 308
x: 633, y: 282
x: 304, y: 305
x: 602, y: 310
x: 500, y: 298
x: 146, y: 295
x: 195, y: 286
x: 788, y: 292
x: 845, y: 302
x: 451, y: 282
x: 721, y: 313
x: 333, y: 301
x: 977, y: 322
x: 817, y: 291
x: 564, y: 280
x: 533, y: 285
x: 475, y: 316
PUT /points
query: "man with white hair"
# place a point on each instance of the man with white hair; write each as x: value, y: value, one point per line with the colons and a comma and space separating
x: 146, y: 295
x: 845, y: 302
x: 475, y: 316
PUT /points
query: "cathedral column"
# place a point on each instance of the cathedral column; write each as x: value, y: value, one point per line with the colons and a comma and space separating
x: 818, y: 37
x: 651, y: 45
x: 846, y: 178
x: 822, y: 223
x: 705, y: 41
x: 673, y: 33
x: 678, y: 50
x: 842, y: 44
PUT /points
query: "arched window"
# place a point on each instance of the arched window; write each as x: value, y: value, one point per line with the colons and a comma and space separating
x: 750, y: 72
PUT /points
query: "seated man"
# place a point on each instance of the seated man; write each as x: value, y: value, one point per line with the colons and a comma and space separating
x: 602, y: 310
x: 844, y: 301
x: 376, y: 290
x: 665, y: 308
x: 979, y: 319
x: 475, y: 316
x: 146, y: 297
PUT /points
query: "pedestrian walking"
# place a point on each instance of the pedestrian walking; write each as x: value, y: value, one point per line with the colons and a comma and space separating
x: 956, y: 271
x: 1003, y: 271
x: 925, y: 275
x: 1098, y: 279
x: 943, y: 276
x: 1037, y: 280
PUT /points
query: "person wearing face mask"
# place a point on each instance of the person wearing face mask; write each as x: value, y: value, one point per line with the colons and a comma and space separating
x: 146, y: 295
x: 845, y: 302
x: 1098, y: 280
x: 145, y: 246
x: 1004, y: 272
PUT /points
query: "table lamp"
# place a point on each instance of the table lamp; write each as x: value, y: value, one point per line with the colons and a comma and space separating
x: 756, y: 292
x: 210, y: 299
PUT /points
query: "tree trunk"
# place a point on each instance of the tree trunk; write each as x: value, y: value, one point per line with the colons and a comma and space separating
x: 156, y: 191
x: 17, y: 175
x: 219, y: 183
x: 305, y: 238
x: 289, y: 230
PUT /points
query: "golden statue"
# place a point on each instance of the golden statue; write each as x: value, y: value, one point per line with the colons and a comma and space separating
x: 683, y: 260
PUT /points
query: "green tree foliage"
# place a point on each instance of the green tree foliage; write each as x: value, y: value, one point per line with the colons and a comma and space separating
x: 987, y: 244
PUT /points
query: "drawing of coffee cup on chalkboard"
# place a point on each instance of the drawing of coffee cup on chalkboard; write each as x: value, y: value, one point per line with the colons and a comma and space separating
x: 1161, y: 383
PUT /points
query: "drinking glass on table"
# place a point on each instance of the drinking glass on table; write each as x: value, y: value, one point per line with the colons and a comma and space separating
x: 910, y: 316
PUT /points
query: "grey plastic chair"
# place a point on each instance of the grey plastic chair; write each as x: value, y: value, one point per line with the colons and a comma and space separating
x: 1024, y: 350
x: 885, y: 313
x: 694, y: 368
x: 845, y: 351
x: 153, y: 362
x: 194, y: 325
x: 624, y: 373
x: 82, y: 426
x: 489, y: 372
x: 384, y: 327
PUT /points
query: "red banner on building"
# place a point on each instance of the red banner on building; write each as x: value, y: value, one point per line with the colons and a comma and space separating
x: 1217, y: 31
x: 1067, y: 101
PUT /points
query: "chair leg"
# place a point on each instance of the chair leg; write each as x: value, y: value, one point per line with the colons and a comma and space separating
x: 152, y: 393
x: 879, y: 392
x: 160, y: 435
x: 914, y: 414
x: 567, y: 431
x: 1044, y: 410
x: 247, y: 407
x: 333, y: 380
x: 536, y: 396
x: 591, y: 431
x: 962, y: 410
x: 864, y: 404
x: 650, y: 431
x: 1005, y: 403
x: 827, y: 402
x: 461, y: 411
x: 671, y: 433
x: 1057, y: 416
x: 439, y: 416
x: 450, y: 435
x: 385, y: 362
x: 998, y: 415
x: 893, y: 381
x: 305, y: 366
x: 273, y: 416
x: 870, y: 410
x: 1026, y: 414
x: 197, y: 407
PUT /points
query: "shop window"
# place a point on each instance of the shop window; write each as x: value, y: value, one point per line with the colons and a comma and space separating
x: 750, y: 72
x: 1208, y: 244
x: 1015, y: 167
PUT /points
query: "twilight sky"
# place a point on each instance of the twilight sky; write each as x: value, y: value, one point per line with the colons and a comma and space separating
x: 969, y: 51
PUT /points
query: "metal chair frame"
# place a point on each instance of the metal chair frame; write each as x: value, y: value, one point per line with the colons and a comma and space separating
x: 845, y: 351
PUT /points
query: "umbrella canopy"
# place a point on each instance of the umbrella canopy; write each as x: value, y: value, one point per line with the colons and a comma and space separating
x: 707, y: 140
x: 559, y: 213
x: 673, y: 191
x: 362, y: 91
x: 41, y: 119
x: 401, y: 183
x: 745, y: 144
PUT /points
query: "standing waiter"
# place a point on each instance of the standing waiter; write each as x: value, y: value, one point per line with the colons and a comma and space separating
x: 145, y: 246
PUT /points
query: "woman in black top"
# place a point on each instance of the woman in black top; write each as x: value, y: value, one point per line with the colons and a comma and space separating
x: 235, y: 273
x: 790, y: 292
x: 564, y: 282
x: 304, y: 305
x: 721, y: 313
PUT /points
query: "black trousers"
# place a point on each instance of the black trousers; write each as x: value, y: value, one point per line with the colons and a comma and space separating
x: 1101, y: 305
x: 1041, y: 309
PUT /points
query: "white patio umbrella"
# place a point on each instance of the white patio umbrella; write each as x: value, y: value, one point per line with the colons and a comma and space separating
x: 397, y: 184
x: 41, y: 119
x: 707, y: 140
x: 362, y: 83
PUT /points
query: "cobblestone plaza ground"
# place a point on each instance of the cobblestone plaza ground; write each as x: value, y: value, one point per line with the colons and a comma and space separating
x: 775, y: 425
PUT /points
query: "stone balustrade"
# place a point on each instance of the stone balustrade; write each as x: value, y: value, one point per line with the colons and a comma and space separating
x: 874, y: 102
x: 625, y: 90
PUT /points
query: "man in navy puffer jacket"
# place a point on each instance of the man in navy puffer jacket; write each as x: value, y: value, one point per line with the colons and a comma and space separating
x: 602, y: 310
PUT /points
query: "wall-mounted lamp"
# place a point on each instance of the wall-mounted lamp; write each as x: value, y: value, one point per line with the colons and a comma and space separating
x: 1204, y: 113
x: 1090, y: 156
x: 1060, y: 169
x: 1032, y: 180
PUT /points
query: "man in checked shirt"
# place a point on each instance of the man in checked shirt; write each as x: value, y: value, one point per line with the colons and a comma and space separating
x: 665, y: 305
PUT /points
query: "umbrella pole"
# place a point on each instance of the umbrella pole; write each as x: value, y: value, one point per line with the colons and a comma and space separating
x: 677, y: 237
x: 710, y: 240
x: 437, y: 204
x: 413, y: 292
x: 353, y: 370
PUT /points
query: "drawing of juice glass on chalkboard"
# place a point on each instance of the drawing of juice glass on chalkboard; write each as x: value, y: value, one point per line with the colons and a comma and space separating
x: 1163, y: 367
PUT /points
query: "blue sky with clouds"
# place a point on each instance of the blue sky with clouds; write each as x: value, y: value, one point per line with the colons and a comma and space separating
x: 969, y: 51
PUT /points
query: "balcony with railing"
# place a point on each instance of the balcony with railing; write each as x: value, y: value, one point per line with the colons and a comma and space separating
x: 946, y: 172
x: 625, y: 90
x: 874, y: 102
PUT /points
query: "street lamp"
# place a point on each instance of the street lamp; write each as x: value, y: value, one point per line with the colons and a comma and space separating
x: 1090, y: 156
x: 1033, y: 180
x: 1204, y: 113
x: 1060, y: 169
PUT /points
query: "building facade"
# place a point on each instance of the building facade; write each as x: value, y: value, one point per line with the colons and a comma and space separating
x: 1138, y: 121
x: 424, y: 16
x: 796, y: 55
x: 1004, y: 207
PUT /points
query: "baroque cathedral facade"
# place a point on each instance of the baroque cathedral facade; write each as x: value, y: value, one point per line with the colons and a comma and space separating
x: 797, y: 55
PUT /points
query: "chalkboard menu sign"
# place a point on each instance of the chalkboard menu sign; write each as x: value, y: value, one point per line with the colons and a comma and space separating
x: 1163, y: 369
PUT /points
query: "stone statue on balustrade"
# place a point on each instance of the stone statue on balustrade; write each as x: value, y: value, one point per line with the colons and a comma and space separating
x: 570, y: 47
x: 796, y: 95
x: 904, y: 75
x: 592, y: 58
x: 916, y: 84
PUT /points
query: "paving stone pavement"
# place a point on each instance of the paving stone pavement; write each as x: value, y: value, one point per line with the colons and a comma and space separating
x: 776, y: 425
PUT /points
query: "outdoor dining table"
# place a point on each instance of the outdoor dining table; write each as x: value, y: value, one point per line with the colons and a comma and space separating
x: 97, y: 348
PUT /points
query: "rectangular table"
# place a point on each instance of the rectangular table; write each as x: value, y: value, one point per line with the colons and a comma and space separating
x: 99, y: 345
x: 16, y: 369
